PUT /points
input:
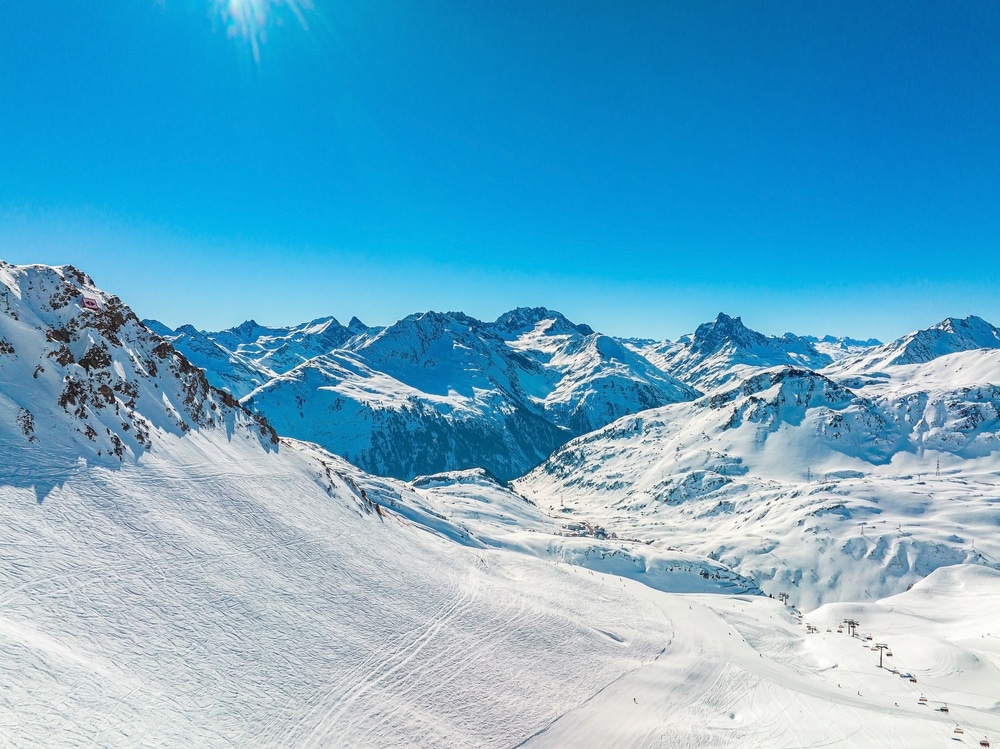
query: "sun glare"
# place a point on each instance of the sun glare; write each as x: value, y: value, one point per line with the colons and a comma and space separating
x: 250, y: 19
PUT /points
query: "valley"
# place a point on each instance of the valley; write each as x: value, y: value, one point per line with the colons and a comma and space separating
x: 182, y: 566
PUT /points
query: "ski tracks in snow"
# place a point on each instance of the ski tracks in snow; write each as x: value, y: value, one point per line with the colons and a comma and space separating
x: 377, y: 670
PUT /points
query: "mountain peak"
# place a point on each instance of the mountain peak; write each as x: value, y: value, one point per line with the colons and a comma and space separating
x: 522, y: 319
x: 321, y: 322
x: 712, y: 336
x: 157, y: 327
x: 949, y: 336
x: 245, y: 329
x: 973, y: 326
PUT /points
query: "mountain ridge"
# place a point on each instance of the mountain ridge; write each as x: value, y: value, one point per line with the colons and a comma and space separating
x: 480, y: 394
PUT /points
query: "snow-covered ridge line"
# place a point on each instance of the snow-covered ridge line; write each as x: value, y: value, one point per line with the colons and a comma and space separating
x: 84, y: 379
x: 809, y: 486
x: 443, y: 391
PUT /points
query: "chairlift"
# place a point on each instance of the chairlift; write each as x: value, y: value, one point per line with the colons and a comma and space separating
x: 913, y: 679
x: 943, y: 709
x: 958, y: 730
x: 922, y: 700
x: 984, y: 742
x: 888, y: 654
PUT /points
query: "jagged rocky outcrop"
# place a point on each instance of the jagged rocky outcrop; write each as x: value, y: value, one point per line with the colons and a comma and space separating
x: 83, y: 378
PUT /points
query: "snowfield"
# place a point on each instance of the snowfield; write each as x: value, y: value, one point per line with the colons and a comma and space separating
x: 808, y: 486
x: 174, y: 574
x: 218, y: 595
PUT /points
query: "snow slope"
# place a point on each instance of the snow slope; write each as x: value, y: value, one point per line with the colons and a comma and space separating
x: 209, y: 585
x: 775, y: 476
x: 740, y: 672
x: 947, y: 337
x: 725, y: 350
x: 218, y: 595
x: 436, y: 392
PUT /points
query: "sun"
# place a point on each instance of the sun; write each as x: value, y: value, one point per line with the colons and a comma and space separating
x: 250, y: 18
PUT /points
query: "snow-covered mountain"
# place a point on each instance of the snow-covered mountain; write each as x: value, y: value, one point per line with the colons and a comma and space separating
x: 776, y: 474
x: 598, y: 378
x: 947, y: 337
x: 243, y: 358
x: 175, y: 575
x: 725, y: 350
x: 85, y: 380
x: 443, y: 391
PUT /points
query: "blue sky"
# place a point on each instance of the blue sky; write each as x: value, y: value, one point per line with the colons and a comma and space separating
x: 639, y: 166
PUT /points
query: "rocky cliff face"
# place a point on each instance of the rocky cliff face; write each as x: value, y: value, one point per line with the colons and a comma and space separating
x: 83, y: 378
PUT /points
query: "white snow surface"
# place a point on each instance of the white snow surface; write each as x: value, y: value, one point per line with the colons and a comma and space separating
x: 173, y: 575
x: 725, y: 350
x: 217, y: 595
x: 443, y: 391
x: 808, y: 486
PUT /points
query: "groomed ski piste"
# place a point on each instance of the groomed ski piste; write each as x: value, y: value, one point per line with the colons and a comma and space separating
x: 211, y: 586
x: 216, y: 595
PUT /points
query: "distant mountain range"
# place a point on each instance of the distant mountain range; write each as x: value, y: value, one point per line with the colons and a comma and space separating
x: 833, y: 468
x: 768, y: 453
x: 849, y: 480
x: 443, y: 391
x: 434, y: 391
x: 163, y: 545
